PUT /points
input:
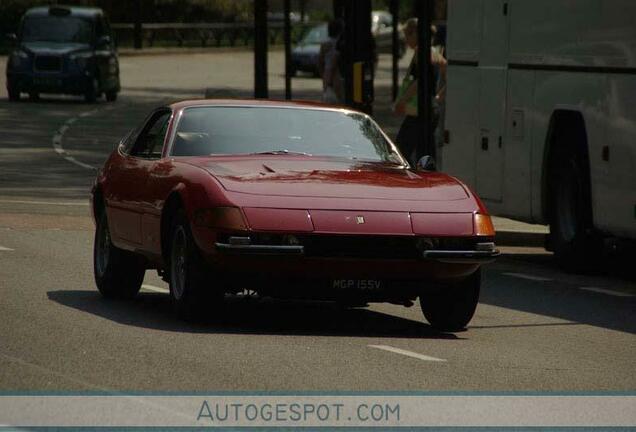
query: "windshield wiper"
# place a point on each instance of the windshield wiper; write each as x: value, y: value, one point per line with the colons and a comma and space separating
x: 285, y: 152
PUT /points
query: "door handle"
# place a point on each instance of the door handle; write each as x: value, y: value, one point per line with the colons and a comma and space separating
x: 484, y: 143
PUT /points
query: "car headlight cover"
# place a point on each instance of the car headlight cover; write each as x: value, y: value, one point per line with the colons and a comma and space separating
x: 18, y: 58
x: 81, y: 60
x: 225, y: 218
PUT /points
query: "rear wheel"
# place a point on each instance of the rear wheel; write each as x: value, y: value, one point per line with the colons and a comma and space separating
x: 34, y: 96
x: 118, y: 274
x: 576, y: 245
x: 451, y: 306
x: 191, y: 288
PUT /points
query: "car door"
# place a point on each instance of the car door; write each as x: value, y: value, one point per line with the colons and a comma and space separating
x: 129, y: 180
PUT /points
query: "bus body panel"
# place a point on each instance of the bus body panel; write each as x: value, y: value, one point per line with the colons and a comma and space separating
x: 552, y: 55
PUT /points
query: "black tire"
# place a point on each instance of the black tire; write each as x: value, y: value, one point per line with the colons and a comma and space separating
x: 34, y: 96
x: 576, y: 245
x: 111, y: 96
x: 118, y: 274
x: 92, y: 91
x: 451, y: 306
x: 191, y: 288
x: 14, y: 94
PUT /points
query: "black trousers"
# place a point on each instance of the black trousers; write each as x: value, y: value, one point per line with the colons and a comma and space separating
x: 411, y: 139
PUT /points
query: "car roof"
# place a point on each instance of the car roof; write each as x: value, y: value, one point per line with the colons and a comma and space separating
x: 78, y: 11
x: 263, y: 103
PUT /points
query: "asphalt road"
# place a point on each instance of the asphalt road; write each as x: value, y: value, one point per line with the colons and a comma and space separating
x: 536, y: 328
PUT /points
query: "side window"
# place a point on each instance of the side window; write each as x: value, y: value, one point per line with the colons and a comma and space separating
x: 149, y: 143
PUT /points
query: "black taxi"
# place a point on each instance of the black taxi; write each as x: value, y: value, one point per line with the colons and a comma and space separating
x: 63, y: 50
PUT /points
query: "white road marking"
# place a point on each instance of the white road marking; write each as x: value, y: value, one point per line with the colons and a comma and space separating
x: 81, y: 203
x: 2, y: 248
x: 58, y: 136
x: 156, y: 289
x: 407, y: 353
x: 528, y: 277
x: 607, y: 291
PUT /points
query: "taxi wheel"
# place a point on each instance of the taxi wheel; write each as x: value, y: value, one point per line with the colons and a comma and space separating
x: 451, y: 306
x: 34, y: 96
x: 14, y: 94
x: 111, y: 96
x: 92, y: 91
x: 191, y: 289
x: 118, y: 274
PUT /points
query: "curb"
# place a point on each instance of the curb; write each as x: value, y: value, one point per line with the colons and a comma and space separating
x: 520, y: 238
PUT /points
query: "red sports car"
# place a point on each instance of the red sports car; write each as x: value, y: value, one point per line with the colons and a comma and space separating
x: 292, y: 200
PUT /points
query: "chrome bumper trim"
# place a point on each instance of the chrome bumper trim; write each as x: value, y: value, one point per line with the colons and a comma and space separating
x: 259, y: 249
x: 463, y: 257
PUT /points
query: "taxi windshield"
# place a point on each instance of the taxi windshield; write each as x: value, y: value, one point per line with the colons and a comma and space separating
x: 59, y: 29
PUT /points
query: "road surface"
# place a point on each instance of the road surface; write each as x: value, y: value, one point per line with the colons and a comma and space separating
x: 536, y: 328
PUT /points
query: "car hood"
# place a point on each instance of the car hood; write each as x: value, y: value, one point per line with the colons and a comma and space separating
x: 329, y: 178
x: 53, y: 47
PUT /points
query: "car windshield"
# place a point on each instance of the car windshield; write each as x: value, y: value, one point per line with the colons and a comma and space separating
x: 316, y: 35
x: 56, y: 29
x: 248, y: 130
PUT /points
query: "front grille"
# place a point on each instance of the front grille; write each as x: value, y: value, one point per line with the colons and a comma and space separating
x: 380, y: 247
x: 361, y: 247
x: 48, y: 63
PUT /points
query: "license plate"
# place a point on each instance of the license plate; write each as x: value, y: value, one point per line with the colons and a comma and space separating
x: 47, y: 81
x: 357, y: 284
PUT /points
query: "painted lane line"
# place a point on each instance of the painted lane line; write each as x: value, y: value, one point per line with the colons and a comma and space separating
x: 608, y: 292
x: 83, y: 204
x: 58, y: 136
x: 406, y: 353
x: 528, y: 277
x: 2, y: 248
x: 156, y: 289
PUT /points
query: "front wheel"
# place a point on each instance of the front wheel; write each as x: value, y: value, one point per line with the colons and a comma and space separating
x: 111, y: 96
x: 451, y: 306
x: 92, y: 91
x: 14, y: 94
x: 191, y: 288
x: 118, y: 274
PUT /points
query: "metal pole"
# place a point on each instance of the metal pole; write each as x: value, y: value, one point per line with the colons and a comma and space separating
x: 260, y: 49
x: 426, y: 86
x: 395, y: 10
x: 287, y: 11
x: 138, y: 40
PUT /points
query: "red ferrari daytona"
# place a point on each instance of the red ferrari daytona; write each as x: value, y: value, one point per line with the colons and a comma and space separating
x: 292, y: 200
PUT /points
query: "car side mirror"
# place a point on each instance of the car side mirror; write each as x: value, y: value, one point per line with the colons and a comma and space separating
x: 12, y: 38
x: 103, y: 42
x: 426, y: 163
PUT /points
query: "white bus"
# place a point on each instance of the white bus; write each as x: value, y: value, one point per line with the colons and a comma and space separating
x: 541, y: 115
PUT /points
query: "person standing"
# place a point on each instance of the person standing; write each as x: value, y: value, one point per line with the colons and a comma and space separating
x: 329, y: 65
x: 413, y: 131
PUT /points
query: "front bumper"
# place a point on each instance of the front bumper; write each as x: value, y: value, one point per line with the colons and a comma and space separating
x: 446, y: 256
x: 61, y: 83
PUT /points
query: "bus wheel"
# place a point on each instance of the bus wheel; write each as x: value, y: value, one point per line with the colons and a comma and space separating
x: 575, y: 243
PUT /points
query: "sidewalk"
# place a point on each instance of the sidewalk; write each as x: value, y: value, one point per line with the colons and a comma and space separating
x: 515, y: 233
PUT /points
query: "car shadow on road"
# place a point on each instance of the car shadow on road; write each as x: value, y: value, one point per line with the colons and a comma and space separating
x: 562, y: 299
x: 250, y: 316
